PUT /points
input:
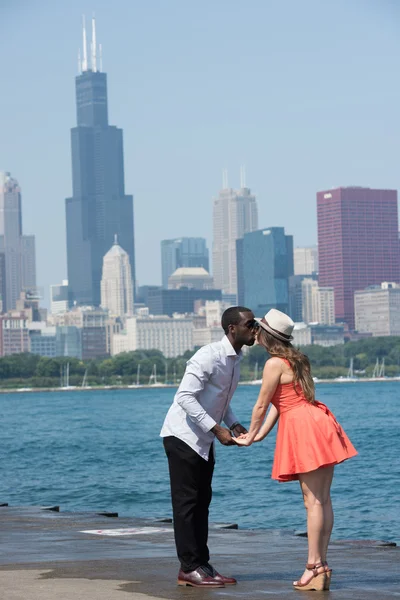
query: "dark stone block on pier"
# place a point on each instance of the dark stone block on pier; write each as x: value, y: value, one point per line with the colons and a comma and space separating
x: 369, y: 543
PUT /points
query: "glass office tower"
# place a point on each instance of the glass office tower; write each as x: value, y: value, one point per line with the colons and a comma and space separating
x: 264, y: 265
x: 99, y: 209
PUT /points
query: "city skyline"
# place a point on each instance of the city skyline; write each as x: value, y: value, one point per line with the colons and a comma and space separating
x: 301, y: 128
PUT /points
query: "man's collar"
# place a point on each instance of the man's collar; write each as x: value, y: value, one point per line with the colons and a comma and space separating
x: 229, y: 349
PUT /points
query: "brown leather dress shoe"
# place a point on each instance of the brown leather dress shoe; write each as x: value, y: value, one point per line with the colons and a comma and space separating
x: 199, y: 578
x: 222, y: 578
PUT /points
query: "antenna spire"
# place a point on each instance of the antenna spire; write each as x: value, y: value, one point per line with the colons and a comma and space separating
x: 115, y: 238
x: 84, y: 61
x: 93, y: 46
x: 101, y: 58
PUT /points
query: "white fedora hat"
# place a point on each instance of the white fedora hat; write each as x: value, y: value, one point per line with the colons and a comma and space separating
x: 277, y: 324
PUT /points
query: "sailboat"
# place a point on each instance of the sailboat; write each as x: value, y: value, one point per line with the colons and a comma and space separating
x: 376, y: 369
x: 379, y: 369
x: 255, y: 380
x: 153, y: 378
x: 64, y: 378
x: 84, y: 380
x: 137, y: 384
x: 350, y: 374
x: 382, y: 368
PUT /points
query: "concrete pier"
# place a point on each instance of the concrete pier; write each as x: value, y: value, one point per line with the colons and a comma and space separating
x: 49, y: 555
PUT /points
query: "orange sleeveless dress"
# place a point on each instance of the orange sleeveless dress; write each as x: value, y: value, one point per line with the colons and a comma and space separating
x: 308, y: 435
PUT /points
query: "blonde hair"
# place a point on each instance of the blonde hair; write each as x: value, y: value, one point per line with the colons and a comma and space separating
x: 298, y: 361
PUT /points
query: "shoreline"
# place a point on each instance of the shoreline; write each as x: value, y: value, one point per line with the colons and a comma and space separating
x: 22, y: 390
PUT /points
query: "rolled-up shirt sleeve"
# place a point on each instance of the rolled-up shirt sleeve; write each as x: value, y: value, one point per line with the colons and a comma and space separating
x: 198, y: 372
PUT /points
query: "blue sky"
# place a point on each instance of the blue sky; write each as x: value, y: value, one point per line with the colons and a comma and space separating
x: 305, y: 94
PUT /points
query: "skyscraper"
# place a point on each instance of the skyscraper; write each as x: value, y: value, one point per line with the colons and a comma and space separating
x: 318, y: 303
x: 182, y: 252
x: 305, y: 260
x: 234, y: 214
x: 2, y: 281
x: 116, y: 283
x: 309, y: 288
x: 377, y: 309
x: 358, y: 243
x: 18, y: 250
x: 265, y: 263
x: 28, y: 262
x: 59, y: 298
x: 296, y: 295
x: 99, y: 207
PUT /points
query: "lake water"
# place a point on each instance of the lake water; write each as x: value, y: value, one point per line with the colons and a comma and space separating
x: 100, y: 450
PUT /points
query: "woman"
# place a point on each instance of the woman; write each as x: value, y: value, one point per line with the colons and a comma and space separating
x: 309, y: 440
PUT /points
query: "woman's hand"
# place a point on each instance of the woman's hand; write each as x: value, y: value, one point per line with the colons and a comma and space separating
x: 243, y: 440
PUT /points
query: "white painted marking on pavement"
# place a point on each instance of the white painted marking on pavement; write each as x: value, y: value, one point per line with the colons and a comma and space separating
x: 127, y: 531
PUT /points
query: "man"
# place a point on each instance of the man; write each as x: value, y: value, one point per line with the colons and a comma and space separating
x: 192, y: 423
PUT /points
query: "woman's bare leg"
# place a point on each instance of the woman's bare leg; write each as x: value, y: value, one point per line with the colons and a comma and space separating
x: 315, y: 487
x: 328, y: 515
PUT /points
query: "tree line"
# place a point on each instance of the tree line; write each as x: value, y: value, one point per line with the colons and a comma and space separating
x: 30, y: 370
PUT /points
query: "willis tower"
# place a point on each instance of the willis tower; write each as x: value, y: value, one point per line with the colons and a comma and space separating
x: 99, y: 209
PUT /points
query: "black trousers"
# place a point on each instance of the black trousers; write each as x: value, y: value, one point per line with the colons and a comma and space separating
x: 191, y: 492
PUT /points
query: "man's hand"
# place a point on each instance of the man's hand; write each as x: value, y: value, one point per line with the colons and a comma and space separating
x: 223, y: 435
x: 238, y: 430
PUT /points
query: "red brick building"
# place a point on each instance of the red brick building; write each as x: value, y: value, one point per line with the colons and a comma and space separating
x: 14, y: 334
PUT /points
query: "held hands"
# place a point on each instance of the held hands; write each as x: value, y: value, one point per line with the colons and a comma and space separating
x: 223, y: 435
x: 243, y: 440
x: 238, y: 430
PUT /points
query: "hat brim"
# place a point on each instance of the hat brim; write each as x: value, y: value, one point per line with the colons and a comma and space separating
x: 274, y: 333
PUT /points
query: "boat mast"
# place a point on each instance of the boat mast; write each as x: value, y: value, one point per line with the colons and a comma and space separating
x: 350, y: 372
x: 382, y: 369
x: 376, y: 369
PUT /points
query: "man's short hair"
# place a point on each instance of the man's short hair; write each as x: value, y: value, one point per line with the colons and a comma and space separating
x: 231, y: 316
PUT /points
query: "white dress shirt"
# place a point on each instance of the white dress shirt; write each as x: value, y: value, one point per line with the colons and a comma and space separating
x: 203, y: 397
